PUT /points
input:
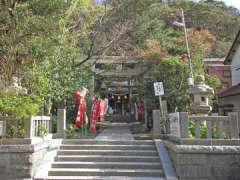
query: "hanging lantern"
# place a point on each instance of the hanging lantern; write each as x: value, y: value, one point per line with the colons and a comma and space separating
x: 125, y: 97
x: 119, y: 97
x: 119, y: 88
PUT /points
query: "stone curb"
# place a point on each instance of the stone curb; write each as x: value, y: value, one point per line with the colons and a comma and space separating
x: 202, y: 149
x: 165, y: 160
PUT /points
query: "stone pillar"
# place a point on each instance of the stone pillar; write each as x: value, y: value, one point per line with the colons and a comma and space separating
x: 156, y: 123
x: 29, y: 129
x: 184, y: 122
x: 61, y: 123
x: 235, y: 120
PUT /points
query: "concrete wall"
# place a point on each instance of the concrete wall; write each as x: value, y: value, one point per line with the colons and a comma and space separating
x: 235, y: 68
x: 205, y: 162
x: 20, y: 161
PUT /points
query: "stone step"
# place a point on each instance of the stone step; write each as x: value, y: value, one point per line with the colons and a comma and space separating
x: 107, y: 147
x: 109, y: 152
x: 105, y: 172
x: 110, y: 142
x: 100, y: 178
x: 101, y: 158
x: 113, y: 165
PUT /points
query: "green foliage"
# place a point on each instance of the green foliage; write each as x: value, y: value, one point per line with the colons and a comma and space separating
x: 213, y: 81
x: 71, y: 130
x: 20, y: 106
x: 15, y: 128
x: 191, y: 130
x: 37, y: 47
x: 172, y: 71
x: 41, y: 130
x: 45, y: 42
x: 203, y: 131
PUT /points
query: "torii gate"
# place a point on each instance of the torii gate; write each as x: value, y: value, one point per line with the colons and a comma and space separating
x: 113, y: 72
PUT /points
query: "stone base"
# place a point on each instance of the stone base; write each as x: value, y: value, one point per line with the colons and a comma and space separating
x: 202, y: 109
x: 20, y: 158
x: 195, y: 162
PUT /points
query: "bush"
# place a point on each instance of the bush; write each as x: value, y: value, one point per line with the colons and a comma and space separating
x: 41, y: 130
x: 20, y: 106
x: 15, y: 128
x: 71, y: 130
x: 203, y: 131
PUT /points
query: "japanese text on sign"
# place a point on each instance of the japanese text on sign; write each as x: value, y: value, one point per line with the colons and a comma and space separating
x: 158, y: 89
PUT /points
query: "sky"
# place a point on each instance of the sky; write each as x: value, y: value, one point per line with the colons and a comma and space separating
x: 234, y: 3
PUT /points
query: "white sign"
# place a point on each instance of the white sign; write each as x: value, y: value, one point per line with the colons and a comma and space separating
x: 1, y: 128
x: 158, y: 89
x: 174, y: 124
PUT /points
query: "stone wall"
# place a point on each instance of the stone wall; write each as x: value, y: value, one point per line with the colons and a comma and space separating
x: 195, y: 162
x: 20, y: 161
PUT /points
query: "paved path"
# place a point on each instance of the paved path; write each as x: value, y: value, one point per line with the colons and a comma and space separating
x: 117, y: 131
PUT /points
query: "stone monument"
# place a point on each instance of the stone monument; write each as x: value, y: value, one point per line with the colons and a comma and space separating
x: 200, y: 92
x: 16, y: 87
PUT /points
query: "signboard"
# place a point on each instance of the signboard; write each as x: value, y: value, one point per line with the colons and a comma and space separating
x: 174, y: 124
x: 158, y: 89
x: 1, y: 128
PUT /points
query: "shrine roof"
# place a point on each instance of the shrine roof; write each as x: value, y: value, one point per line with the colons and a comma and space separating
x: 232, y: 91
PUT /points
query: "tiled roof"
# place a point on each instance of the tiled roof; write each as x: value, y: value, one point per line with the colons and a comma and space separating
x: 232, y: 91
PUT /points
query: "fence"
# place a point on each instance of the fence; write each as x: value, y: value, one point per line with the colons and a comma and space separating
x: 34, y: 127
x: 3, y: 125
x: 185, y: 126
x: 38, y: 126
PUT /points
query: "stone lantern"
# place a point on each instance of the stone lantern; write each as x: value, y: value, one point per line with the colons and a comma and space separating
x: 200, y: 92
x: 15, y: 87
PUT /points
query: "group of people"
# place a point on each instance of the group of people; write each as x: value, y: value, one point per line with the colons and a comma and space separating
x: 98, y: 110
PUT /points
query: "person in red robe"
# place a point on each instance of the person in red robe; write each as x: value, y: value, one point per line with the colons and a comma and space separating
x: 102, y: 109
x: 98, y: 101
x: 94, y: 114
x: 140, y: 109
x: 81, y: 110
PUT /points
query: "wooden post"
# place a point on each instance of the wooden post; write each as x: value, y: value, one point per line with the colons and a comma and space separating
x: 161, y: 108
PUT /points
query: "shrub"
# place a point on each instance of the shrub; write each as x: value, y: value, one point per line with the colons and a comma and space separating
x: 41, y: 130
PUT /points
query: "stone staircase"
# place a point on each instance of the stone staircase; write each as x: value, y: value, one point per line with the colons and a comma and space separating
x: 106, y: 160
